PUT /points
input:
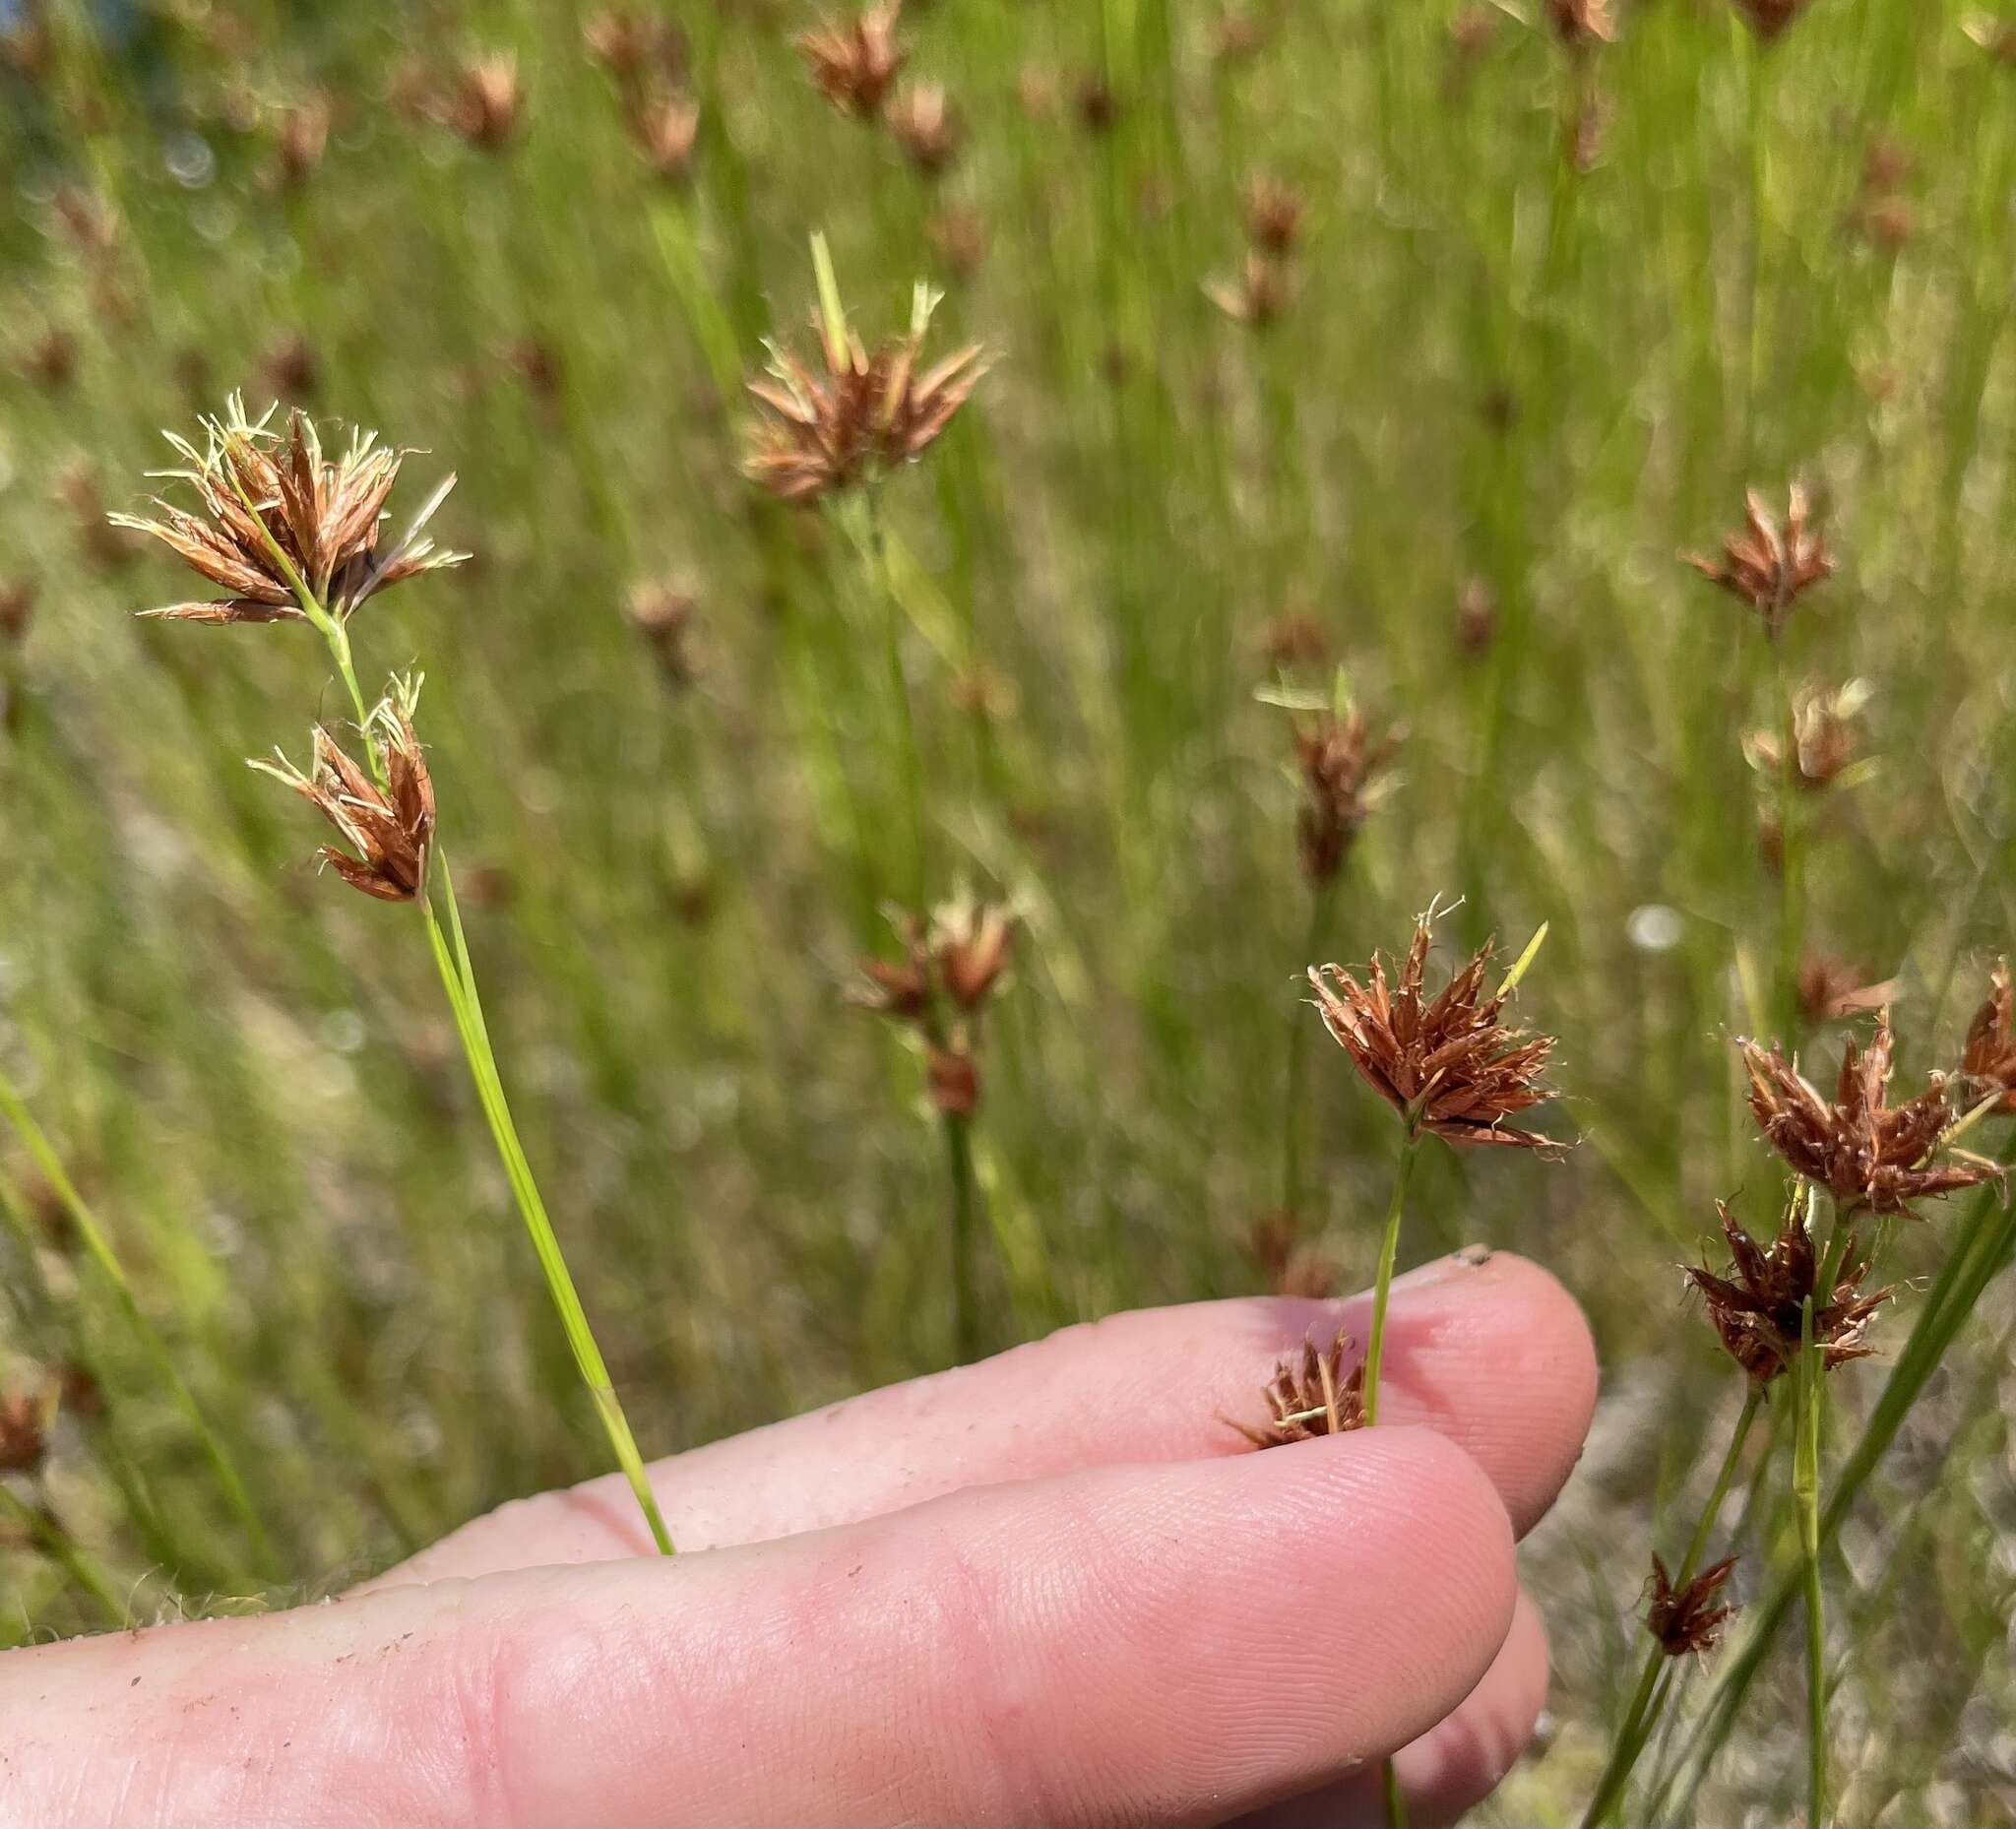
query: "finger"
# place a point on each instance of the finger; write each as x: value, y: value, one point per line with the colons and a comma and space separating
x: 1489, y: 1350
x: 1166, y: 1644
x: 1457, y: 1763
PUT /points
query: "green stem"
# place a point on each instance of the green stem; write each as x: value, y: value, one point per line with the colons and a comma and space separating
x: 47, y: 1531
x: 865, y: 527
x: 1396, y: 1798
x: 458, y: 979
x: 1805, y: 1487
x: 98, y: 1247
x: 1792, y: 864
x: 1382, y: 1288
x: 965, y: 1308
x: 1642, y: 1715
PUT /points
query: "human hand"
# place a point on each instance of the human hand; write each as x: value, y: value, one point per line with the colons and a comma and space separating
x: 1050, y: 1588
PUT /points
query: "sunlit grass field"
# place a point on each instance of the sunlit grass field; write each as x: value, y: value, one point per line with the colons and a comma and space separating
x: 1552, y: 308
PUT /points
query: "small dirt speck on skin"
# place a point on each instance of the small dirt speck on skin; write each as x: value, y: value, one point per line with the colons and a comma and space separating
x: 1475, y: 1256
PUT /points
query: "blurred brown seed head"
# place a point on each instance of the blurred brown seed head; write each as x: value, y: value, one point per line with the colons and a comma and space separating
x: 290, y: 370
x: 663, y: 614
x: 1476, y: 616
x: 107, y: 546
x: 1342, y: 762
x: 926, y: 125
x: 24, y: 1431
x: 1758, y: 1308
x: 1691, y: 1620
x: 953, y: 1079
x: 1293, y: 639
x: 1830, y: 989
x: 1990, y: 1061
x: 483, y: 102
x: 389, y: 830
x: 257, y: 489
x: 301, y: 138
x: 899, y: 988
x: 1290, y: 1264
x: 1450, y: 1065
x: 1309, y: 1395
x: 1865, y: 1151
x: 1472, y: 29
x: 27, y: 45
x: 663, y: 128
x: 50, y: 359
x: 1236, y: 36
x: 855, y: 416
x: 1770, y: 20
x: 959, y: 233
x: 1767, y: 563
x: 88, y: 220
x: 1259, y: 294
x: 1581, y: 23
x: 17, y: 608
x: 1098, y: 109
x: 970, y: 944
x: 855, y: 61
x: 1274, y: 213
x: 1826, y: 739
x: 632, y: 44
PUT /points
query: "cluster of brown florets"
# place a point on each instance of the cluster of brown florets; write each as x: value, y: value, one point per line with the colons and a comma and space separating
x: 1308, y: 1396
x: 939, y: 988
x: 1689, y: 1619
x: 1450, y: 1065
x: 1343, y: 762
x: 1264, y: 286
x: 1769, y: 563
x: 644, y: 57
x: 856, y: 415
x: 854, y: 63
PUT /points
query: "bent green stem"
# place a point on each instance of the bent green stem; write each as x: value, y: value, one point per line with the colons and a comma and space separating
x: 964, y: 1307
x: 458, y: 979
x: 99, y: 1248
x: 1642, y: 1715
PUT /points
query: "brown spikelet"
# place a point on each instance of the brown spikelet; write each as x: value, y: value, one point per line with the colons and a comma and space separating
x: 1865, y: 1151
x: 256, y: 490
x: 1309, y: 1395
x: 1770, y: 20
x: 1770, y: 564
x: 665, y: 127
x: 927, y: 126
x: 1274, y: 213
x: 1691, y: 1620
x: 1826, y: 736
x: 1342, y: 762
x: 1989, y: 1060
x: 1449, y: 1064
x: 25, y: 1418
x: 300, y: 138
x: 1581, y: 23
x: 1758, y: 1308
x: 390, y: 830
x: 663, y: 614
x: 17, y: 608
x: 483, y: 102
x: 855, y: 61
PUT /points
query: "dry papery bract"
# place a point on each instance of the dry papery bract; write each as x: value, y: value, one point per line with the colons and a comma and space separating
x: 1831, y: 989
x: 390, y: 830
x: 1449, y: 1064
x: 1758, y: 1308
x: 855, y: 61
x: 1862, y: 1150
x: 1261, y: 291
x: 1692, y: 1619
x: 1767, y: 563
x: 856, y: 415
x: 1309, y: 1395
x: 960, y: 952
x: 273, y: 514
x: 1825, y: 739
x: 1342, y: 762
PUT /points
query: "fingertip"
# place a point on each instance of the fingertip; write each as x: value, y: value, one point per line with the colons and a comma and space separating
x: 1465, y: 1757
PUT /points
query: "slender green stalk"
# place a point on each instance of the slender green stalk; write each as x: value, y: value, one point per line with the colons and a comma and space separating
x: 964, y: 1307
x: 458, y: 979
x: 1806, y: 1488
x: 99, y: 1248
x: 1320, y: 900
x: 57, y: 1542
x: 1382, y: 1288
x: 861, y: 513
x: 1396, y: 1798
x: 1642, y: 1715
x: 1792, y: 861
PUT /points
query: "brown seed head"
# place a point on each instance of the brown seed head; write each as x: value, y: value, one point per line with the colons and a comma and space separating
x: 1236, y: 36
x: 1689, y: 1621
x: 663, y: 128
x: 27, y: 45
x: 1447, y: 1065
x: 1308, y: 1396
x: 1825, y: 734
x: 1098, y: 109
x: 1758, y: 1308
x: 1862, y: 1150
x: 390, y: 830
x: 631, y: 43
x: 1259, y: 294
x: 1770, y: 20
x: 855, y: 61
x: 1274, y: 214
x: 1342, y: 764
x: 857, y: 415
x: 1989, y: 1063
x: 301, y: 138
x: 483, y: 103
x: 1476, y: 616
x: 953, y: 1079
x: 970, y: 942
x: 1579, y: 24
x: 24, y: 1431
x: 926, y: 125
x: 900, y: 988
x: 1769, y: 564
x: 663, y: 614
x: 290, y: 370
x: 959, y: 233
x: 17, y: 608
x: 258, y: 491
x: 1290, y: 1264
x: 50, y: 359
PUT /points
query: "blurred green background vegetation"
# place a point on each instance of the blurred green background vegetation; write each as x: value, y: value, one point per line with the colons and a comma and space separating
x: 1550, y: 311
